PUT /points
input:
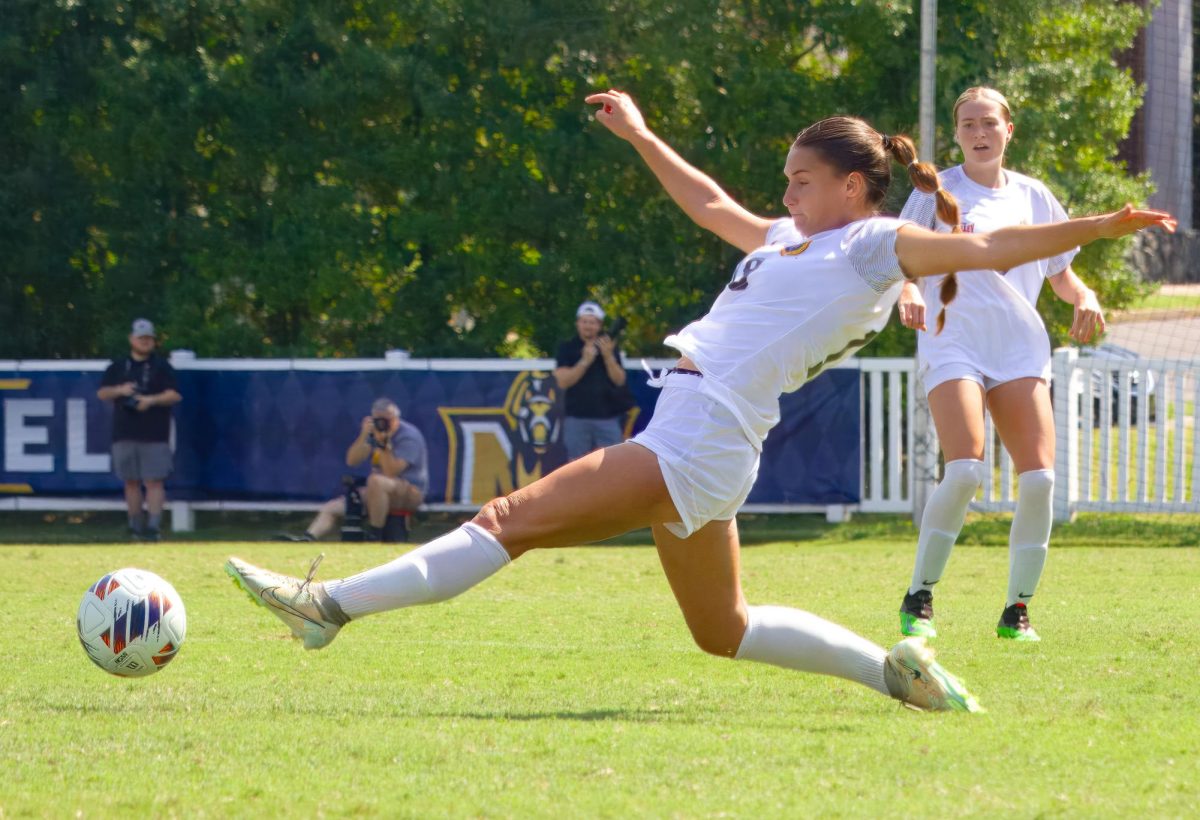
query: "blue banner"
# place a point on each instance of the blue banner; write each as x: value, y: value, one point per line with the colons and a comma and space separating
x: 270, y: 434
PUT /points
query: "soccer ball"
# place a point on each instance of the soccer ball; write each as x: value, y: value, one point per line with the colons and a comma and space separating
x: 131, y: 623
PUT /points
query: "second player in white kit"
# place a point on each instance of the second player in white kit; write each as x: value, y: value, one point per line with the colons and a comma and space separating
x: 989, y: 348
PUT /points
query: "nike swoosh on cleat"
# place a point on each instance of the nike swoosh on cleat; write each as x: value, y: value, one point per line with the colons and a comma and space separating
x: 279, y: 603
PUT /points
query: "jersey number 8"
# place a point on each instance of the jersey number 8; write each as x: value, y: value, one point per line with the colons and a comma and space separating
x: 741, y: 277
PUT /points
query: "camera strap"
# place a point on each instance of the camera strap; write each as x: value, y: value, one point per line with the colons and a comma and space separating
x: 143, y: 375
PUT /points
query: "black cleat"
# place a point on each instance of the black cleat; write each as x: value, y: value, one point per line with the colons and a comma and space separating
x: 1014, y: 624
x: 916, y: 614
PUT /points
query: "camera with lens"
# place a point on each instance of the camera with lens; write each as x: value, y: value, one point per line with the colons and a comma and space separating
x: 130, y: 402
x: 617, y: 328
x: 382, y: 425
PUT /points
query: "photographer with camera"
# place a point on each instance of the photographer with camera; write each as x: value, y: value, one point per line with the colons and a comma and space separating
x: 399, y: 475
x: 588, y: 367
x: 142, y: 388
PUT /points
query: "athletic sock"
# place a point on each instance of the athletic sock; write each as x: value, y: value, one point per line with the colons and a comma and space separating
x: 153, y: 522
x: 799, y: 640
x: 433, y: 572
x: 943, y: 520
x: 135, y: 522
x: 1029, y: 538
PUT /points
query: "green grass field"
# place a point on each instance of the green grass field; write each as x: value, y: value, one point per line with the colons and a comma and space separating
x: 568, y: 686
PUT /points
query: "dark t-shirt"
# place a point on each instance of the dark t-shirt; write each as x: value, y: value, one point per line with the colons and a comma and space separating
x: 152, y: 376
x: 594, y: 396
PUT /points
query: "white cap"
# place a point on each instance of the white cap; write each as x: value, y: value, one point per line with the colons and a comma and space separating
x: 590, y: 308
x: 142, y: 327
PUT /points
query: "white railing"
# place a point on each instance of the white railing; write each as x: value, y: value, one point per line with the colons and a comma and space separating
x: 889, y: 399
x: 1136, y: 438
x: 1126, y: 435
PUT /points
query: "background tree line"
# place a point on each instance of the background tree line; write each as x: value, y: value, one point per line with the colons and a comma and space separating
x: 307, y: 178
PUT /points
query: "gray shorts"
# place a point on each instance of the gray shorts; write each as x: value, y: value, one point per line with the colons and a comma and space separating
x: 141, y: 460
x: 581, y: 436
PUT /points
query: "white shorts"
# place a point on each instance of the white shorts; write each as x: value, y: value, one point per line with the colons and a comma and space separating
x: 931, y: 377
x: 706, y: 460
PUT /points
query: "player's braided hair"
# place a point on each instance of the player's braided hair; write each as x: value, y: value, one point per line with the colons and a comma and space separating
x: 853, y: 146
x: 924, y: 177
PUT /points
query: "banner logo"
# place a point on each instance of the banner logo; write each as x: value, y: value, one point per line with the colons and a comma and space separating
x: 495, y: 450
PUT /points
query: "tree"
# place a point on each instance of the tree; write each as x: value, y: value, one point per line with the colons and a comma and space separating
x: 290, y: 177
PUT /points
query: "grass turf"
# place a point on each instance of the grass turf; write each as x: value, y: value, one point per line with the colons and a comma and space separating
x: 567, y: 685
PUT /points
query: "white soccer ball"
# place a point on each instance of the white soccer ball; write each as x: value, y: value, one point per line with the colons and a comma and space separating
x: 131, y: 623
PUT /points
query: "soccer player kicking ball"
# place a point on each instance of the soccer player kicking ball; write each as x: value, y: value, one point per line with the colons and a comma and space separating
x: 814, y: 287
x: 990, y: 349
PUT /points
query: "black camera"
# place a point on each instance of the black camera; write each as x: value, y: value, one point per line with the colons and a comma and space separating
x: 131, y: 402
x: 618, y: 327
x: 382, y: 425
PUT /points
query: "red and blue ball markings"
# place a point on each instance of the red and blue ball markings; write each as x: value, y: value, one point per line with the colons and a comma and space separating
x: 135, y: 620
x: 104, y: 586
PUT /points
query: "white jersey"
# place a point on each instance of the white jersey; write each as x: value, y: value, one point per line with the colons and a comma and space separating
x: 993, y: 324
x: 793, y: 307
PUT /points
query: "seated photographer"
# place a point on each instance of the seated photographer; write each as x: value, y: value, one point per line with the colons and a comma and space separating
x: 399, y: 473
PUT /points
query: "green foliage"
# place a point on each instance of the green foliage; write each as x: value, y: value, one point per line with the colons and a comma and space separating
x: 1072, y: 105
x: 287, y: 177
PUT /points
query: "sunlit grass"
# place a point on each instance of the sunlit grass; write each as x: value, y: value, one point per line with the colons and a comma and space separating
x: 567, y: 686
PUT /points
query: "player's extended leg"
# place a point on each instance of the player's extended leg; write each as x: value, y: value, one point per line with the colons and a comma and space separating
x: 957, y: 409
x: 1024, y: 418
x: 703, y: 571
x: 605, y: 493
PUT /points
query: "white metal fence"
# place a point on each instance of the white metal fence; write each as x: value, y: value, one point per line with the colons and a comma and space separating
x: 1126, y: 433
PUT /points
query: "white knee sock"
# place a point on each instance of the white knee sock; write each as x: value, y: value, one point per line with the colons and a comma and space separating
x: 1029, y: 538
x: 799, y: 640
x: 433, y: 572
x: 943, y: 520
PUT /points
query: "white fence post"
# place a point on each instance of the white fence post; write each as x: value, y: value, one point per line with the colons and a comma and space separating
x: 1066, y: 432
x: 183, y: 518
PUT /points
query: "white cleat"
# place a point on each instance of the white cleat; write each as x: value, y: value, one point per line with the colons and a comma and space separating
x: 309, y: 612
x: 916, y: 679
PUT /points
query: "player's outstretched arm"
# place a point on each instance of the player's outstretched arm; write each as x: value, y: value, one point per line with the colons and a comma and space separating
x: 924, y: 253
x: 696, y: 193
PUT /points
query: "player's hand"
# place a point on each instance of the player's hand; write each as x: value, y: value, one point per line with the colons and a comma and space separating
x: 617, y: 112
x: 911, y: 307
x: 605, y: 346
x: 1130, y: 220
x: 1089, y: 318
